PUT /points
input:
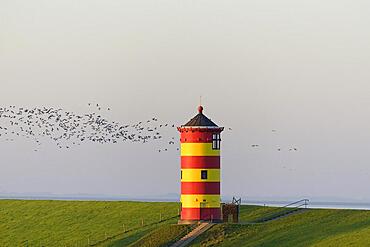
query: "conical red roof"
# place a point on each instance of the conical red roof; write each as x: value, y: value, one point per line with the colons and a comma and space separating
x: 200, y: 120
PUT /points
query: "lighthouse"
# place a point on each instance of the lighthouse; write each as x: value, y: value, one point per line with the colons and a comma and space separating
x: 200, y: 170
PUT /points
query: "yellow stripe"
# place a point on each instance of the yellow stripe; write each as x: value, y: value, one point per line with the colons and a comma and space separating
x: 197, y: 201
x: 194, y: 175
x: 198, y: 149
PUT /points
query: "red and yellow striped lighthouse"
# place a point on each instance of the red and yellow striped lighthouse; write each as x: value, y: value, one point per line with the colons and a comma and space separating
x: 200, y: 169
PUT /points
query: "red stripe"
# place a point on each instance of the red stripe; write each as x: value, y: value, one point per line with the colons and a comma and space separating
x: 198, y: 162
x: 201, y: 214
x: 200, y: 129
x: 200, y: 188
x: 196, y: 136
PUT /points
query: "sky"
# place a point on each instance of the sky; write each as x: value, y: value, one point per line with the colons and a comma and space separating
x: 300, y: 67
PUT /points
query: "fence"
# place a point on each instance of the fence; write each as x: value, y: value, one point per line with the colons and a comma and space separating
x: 102, y: 238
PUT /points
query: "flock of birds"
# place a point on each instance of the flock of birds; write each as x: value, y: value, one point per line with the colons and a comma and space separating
x: 67, y: 129
x: 278, y: 149
x: 294, y: 149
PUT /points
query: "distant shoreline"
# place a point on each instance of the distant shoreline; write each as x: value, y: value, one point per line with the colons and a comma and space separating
x: 269, y: 203
x: 318, y: 205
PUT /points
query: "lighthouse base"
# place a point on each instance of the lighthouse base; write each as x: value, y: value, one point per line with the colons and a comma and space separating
x: 201, y: 214
x: 192, y: 222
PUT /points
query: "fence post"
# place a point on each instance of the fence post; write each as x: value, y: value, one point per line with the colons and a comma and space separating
x: 142, y: 222
x: 160, y: 217
x: 123, y: 226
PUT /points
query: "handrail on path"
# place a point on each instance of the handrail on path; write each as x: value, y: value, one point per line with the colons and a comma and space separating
x: 280, y: 211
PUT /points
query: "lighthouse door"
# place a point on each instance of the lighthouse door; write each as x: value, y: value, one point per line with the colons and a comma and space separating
x: 204, y: 214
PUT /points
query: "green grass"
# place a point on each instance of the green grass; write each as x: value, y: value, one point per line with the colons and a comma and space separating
x: 252, y: 213
x: 314, y: 227
x: 163, y: 236
x: 132, y: 237
x: 71, y: 223
x: 129, y: 239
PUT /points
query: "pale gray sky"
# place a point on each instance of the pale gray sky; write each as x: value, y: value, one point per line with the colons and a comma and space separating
x: 300, y: 67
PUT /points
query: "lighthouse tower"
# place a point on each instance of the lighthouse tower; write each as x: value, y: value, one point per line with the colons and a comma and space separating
x: 200, y: 170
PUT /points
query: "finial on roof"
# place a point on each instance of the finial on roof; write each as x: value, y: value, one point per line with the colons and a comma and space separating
x: 200, y: 109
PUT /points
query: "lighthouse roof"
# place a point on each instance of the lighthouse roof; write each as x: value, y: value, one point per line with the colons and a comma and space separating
x: 200, y: 120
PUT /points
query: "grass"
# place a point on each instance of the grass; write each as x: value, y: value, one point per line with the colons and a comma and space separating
x: 71, y: 223
x: 163, y: 236
x: 74, y: 223
x: 252, y: 213
x: 314, y: 227
x: 129, y: 239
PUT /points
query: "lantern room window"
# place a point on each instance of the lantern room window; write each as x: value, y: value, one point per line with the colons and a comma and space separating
x: 216, y: 141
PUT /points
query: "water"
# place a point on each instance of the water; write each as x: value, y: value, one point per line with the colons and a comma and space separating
x: 172, y: 198
x: 313, y: 204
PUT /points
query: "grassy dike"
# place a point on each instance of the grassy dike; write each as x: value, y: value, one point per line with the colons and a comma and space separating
x: 79, y: 223
x: 115, y: 224
x: 313, y: 227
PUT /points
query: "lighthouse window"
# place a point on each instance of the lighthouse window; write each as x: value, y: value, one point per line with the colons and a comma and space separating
x: 216, y: 141
x: 203, y: 174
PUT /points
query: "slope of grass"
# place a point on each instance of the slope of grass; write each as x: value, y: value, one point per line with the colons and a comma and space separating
x: 163, y: 236
x: 131, y: 237
x: 351, y: 238
x: 134, y: 235
x: 71, y: 223
x: 128, y: 239
x: 314, y: 227
x: 75, y: 223
x: 252, y: 213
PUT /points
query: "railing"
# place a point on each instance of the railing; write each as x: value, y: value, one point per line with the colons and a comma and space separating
x: 284, y: 210
x: 303, y: 202
x: 103, y: 239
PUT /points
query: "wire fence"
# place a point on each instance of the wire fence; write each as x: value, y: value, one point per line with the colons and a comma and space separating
x: 98, y: 239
